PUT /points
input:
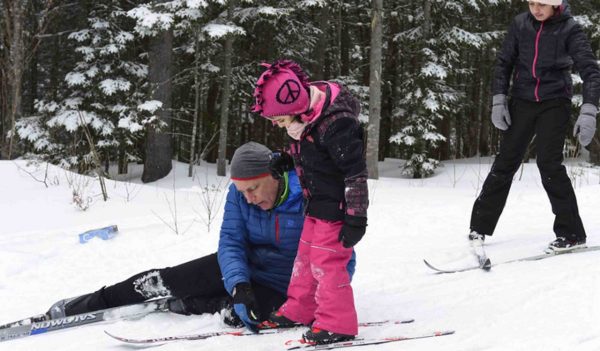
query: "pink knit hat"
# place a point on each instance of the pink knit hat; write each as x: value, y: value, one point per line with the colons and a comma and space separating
x: 281, y: 90
x: 548, y: 2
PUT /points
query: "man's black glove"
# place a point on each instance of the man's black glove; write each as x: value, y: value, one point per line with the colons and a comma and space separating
x: 280, y: 163
x: 245, y: 306
x: 198, y: 304
x: 353, y: 230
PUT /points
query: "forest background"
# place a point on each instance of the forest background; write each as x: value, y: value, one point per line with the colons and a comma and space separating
x: 92, y: 84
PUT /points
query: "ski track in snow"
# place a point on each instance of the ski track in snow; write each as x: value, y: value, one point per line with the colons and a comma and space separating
x: 552, y: 304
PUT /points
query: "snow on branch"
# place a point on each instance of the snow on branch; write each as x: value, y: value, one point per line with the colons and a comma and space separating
x: 432, y: 69
x: 129, y: 123
x: 151, y: 19
x: 196, y: 4
x: 411, y: 34
x: 217, y: 31
x: 111, y: 86
x: 148, y: 20
x: 254, y: 13
x: 458, y: 35
x: 312, y: 3
x: 75, y: 78
x: 150, y: 106
x: 80, y: 36
x: 584, y: 21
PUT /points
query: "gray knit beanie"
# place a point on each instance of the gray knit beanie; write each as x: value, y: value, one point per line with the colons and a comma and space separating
x: 250, y: 161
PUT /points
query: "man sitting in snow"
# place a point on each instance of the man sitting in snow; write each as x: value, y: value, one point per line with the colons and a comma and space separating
x: 250, y: 272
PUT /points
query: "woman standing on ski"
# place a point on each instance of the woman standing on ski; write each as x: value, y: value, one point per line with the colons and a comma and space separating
x: 538, y: 52
x: 326, y: 145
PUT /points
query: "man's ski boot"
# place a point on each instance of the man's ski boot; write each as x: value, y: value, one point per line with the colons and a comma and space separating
x: 76, y: 305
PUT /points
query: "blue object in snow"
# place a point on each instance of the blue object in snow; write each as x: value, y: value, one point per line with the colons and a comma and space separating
x: 103, y: 233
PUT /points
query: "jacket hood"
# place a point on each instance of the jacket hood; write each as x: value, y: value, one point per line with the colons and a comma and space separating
x: 564, y: 13
x: 565, y: 9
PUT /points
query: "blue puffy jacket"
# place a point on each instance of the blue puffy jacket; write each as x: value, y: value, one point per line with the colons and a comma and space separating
x: 258, y: 245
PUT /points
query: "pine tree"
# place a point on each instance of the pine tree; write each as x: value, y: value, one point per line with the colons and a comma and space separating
x: 427, y: 94
x: 104, y: 94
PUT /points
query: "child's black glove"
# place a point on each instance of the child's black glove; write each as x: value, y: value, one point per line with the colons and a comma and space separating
x: 353, y: 230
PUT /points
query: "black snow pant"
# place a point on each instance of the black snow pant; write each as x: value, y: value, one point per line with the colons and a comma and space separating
x: 549, y: 122
x: 198, y: 283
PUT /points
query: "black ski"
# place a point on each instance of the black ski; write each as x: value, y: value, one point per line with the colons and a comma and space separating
x: 521, y: 259
x: 488, y: 264
x: 242, y: 332
x: 42, y: 324
x: 363, y: 342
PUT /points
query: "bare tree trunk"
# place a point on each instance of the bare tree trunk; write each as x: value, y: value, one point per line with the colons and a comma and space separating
x: 196, y: 107
x: 3, y: 108
x: 14, y: 61
x: 19, y: 45
x: 123, y: 166
x: 28, y: 107
x: 159, y: 148
x: 221, y: 161
x: 375, y: 90
x: 487, y: 61
x: 345, y: 44
x: 427, y: 19
x: 482, y: 100
x: 318, y: 69
x: 595, y: 145
x: 339, y: 20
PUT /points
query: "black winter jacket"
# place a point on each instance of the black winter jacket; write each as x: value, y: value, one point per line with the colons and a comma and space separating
x: 539, y: 55
x: 330, y: 162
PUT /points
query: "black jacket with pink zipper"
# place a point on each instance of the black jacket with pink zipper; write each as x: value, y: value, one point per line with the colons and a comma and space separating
x: 539, y: 56
x: 330, y: 161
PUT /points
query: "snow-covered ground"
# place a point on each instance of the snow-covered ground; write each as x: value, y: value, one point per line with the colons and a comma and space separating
x: 552, y: 304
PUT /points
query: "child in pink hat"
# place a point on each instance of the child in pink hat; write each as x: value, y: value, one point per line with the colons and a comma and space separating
x: 326, y: 147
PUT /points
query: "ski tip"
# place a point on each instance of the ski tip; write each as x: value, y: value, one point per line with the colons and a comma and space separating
x: 109, y: 334
x: 116, y: 337
x: 442, y: 271
x: 429, y: 265
x: 112, y: 336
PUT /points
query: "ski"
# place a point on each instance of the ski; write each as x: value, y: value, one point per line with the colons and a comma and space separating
x: 242, y: 332
x: 42, y: 324
x: 362, y: 342
x: 521, y: 259
x: 441, y: 271
x: 25, y: 321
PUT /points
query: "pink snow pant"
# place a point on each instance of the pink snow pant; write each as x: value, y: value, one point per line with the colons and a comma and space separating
x: 320, y: 288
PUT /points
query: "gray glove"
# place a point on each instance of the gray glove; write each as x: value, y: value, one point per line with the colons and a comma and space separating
x: 585, y: 126
x: 500, y: 114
